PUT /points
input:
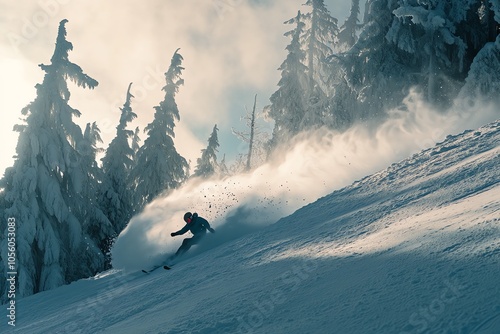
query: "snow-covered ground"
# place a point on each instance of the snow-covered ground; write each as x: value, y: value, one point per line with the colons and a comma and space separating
x: 414, y: 248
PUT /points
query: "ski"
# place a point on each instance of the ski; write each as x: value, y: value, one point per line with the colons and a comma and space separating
x: 150, y: 270
x: 156, y: 267
x: 165, y: 266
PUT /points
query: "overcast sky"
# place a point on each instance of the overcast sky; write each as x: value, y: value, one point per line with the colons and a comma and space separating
x: 231, y: 50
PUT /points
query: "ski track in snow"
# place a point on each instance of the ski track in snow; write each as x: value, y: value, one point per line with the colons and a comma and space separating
x: 414, y: 248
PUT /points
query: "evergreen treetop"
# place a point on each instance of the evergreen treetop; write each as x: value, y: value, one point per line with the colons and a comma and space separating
x: 159, y: 166
x: 207, y: 164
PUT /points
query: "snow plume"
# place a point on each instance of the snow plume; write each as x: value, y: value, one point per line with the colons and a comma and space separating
x: 318, y: 163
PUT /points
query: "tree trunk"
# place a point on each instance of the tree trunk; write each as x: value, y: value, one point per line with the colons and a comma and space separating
x: 252, y: 130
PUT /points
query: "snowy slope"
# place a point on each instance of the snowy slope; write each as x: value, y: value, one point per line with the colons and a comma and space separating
x: 414, y: 248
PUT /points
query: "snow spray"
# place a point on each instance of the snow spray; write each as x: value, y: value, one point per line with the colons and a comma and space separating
x: 317, y: 163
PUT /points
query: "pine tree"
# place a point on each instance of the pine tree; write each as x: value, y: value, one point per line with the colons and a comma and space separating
x: 289, y: 102
x: 136, y: 140
x: 427, y: 32
x: 476, y: 25
x: 484, y: 76
x: 483, y: 80
x: 159, y: 167
x: 44, y: 188
x: 431, y: 45
x: 375, y: 69
x: 318, y: 41
x: 117, y: 199
x: 347, y: 32
x: 302, y: 100
x: 207, y: 164
x: 97, y: 228
x: 491, y: 19
x: 319, y: 38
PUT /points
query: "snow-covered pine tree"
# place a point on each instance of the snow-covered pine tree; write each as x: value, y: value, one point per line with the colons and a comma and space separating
x: 478, y: 28
x: 43, y: 188
x: 492, y: 19
x: 159, y: 167
x: 319, y: 38
x: 483, y: 79
x: 135, y: 145
x: 347, y: 33
x: 289, y: 102
x: 375, y: 68
x: 117, y: 196
x: 136, y: 141
x: 427, y: 31
x: 96, y: 227
x: 207, y: 164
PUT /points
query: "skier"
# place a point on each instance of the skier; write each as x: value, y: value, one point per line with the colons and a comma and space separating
x: 198, y: 226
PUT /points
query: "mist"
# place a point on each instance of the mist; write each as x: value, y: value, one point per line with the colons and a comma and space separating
x: 318, y: 163
x: 227, y: 47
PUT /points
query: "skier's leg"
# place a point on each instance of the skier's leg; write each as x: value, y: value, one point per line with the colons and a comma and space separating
x: 196, y: 238
x: 186, y: 244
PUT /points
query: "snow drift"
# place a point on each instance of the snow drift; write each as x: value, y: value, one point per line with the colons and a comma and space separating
x: 319, y: 162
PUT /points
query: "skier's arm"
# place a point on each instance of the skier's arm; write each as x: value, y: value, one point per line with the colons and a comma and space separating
x: 207, y: 226
x: 181, y: 231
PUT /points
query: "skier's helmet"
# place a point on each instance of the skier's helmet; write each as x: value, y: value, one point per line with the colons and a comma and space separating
x: 187, y: 217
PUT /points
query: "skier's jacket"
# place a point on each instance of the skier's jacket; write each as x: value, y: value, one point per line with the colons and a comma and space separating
x: 198, y: 225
